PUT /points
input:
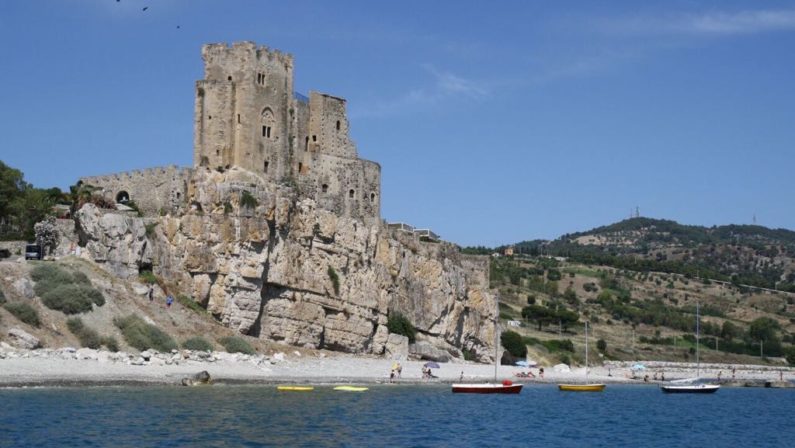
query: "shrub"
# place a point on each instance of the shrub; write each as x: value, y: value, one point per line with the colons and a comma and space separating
x: 601, y: 345
x: 24, y: 312
x: 198, y: 343
x: 144, y: 336
x: 147, y: 277
x: 558, y: 345
x: 189, y: 303
x: 335, y: 279
x: 110, y: 343
x: 88, y: 337
x: 247, y: 200
x: 399, y: 324
x: 512, y: 341
x: 72, y: 298
x: 49, y: 277
x: 234, y: 344
x: 469, y: 355
x: 228, y: 208
x: 150, y: 229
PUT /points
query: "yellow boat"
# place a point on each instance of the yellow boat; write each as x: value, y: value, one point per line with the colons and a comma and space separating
x: 582, y: 387
x: 351, y: 388
x: 295, y: 388
x: 586, y: 387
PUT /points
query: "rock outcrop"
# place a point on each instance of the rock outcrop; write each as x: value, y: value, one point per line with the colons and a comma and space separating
x: 22, y: 339
x: 281, y: 268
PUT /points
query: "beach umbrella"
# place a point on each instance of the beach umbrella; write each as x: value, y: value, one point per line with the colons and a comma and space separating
x: 431, y: 365
x: 638, y: 366
x: 522, y: 363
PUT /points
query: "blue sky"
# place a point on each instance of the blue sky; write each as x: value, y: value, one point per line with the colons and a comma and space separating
x: 492, y: 124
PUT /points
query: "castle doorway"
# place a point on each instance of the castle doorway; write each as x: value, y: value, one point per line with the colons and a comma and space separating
x: 122, y: 197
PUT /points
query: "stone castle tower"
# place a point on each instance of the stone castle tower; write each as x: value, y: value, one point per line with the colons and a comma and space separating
x: 247, y: 115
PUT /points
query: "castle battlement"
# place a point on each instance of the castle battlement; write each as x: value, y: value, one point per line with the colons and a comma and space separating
x: 247, y: 115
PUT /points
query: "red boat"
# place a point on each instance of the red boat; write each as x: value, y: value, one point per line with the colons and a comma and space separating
x: 506, y: 387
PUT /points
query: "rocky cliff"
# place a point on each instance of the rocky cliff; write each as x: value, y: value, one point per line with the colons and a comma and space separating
x: 270, y: 264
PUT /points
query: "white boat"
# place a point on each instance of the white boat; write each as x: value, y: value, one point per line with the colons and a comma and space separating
x: 691, y: 385
x: 587, y: 387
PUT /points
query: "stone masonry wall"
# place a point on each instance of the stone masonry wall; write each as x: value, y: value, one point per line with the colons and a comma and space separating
x: 152, y: 189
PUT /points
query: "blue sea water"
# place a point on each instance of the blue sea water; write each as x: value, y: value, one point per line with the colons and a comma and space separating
x: 394, y: 416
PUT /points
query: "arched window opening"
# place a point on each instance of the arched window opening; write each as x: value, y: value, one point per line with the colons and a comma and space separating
x: 306, y: 144
x: 351, y: 193
x: 372, y: 197
x: 122, y: 197
x: 265, y: 167
x: 228, y: 78
x: 300, y: 167
x: 179, y: 194
x: 205, y: 161
x: 268, y: 121
x: 314, y: 138
x: 324, y: 188
x: 338, y: 125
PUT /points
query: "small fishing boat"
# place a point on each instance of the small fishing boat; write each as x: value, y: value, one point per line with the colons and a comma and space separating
x: 587, y: 387
x: 506, y: 387
x: 295, y: 388
x: 690, y: 388
x: 691, y: 385
x: 351, y: 388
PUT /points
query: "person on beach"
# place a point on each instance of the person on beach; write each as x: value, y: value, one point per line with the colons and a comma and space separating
x: 720, y: 372
x: 461, y: 378
x: 541, y: 372
x: 733, y: 370
x: 151, y: 293
x: 662, y: 375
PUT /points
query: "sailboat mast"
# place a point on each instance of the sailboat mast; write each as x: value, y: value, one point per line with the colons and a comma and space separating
x: 586, y: 351
x: 698, y: 330
x: 496, y: 340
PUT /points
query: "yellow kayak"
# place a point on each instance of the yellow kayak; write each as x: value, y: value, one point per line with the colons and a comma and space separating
x: 295, y: 388
x: 351, y: 388
x: 582, y: 387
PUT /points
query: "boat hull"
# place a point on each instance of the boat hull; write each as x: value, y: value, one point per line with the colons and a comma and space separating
x: 295, y: 388
x: 581, y: 387
x: 486, y: 388
x: 351, y: 388
x: 697, y: 389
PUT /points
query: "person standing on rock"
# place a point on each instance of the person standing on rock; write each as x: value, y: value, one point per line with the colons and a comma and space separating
x: 169, y: 301
x: 151, y: 293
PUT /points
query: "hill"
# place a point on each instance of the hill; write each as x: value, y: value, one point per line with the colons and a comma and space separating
x: 638, y: 282
x: 742, y: 254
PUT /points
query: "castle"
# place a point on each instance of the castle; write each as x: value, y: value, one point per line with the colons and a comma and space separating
x: 247, y: 115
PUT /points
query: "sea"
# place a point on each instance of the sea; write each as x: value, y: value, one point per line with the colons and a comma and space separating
x: 393, y: 416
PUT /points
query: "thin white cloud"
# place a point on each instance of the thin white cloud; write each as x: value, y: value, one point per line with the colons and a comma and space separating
x: 704, y: 24
x: 446, y: 86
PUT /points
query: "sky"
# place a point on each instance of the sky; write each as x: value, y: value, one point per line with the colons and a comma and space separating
x: 493, y: 122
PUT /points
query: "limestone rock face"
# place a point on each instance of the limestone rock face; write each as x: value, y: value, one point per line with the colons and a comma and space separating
x: 283, y: 269
x: 22, y: 339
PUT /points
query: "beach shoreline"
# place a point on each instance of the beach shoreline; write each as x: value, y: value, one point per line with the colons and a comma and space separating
x: 69, y: 367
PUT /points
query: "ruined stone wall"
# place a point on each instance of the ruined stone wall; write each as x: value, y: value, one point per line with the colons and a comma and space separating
x: 244, y: 109
x: 152, y: 189
x: 247, y: 116
x: 328, y: 126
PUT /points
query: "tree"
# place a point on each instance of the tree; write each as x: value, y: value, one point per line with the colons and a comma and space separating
x: 541, y: 315
x: 763, y: 329
x: 46, y: 234
x: 570, y: 296
x: 730, y: 331
x: 567, y: 318
x: 513, y: 343
x: 11, y: 187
